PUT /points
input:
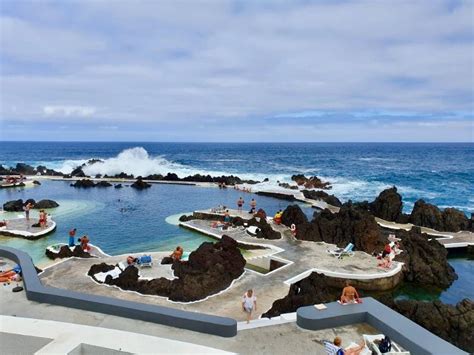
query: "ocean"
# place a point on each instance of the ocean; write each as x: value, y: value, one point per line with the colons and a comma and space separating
x: 442, y: 174
x: 128, y: 221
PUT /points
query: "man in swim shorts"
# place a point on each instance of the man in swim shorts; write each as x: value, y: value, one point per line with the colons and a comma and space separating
x: 349, y: 294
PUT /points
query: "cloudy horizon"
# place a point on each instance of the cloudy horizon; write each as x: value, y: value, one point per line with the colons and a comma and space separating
x: 237, y: 71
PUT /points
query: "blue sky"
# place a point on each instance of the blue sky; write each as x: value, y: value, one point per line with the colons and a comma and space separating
x: 237, y: 70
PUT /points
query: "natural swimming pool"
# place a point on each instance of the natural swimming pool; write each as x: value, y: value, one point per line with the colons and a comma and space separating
x: 126, y: 220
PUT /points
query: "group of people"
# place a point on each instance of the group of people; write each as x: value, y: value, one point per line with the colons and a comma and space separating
x: 389, y: 252
x: 83, y: 241
x: 13, y: 274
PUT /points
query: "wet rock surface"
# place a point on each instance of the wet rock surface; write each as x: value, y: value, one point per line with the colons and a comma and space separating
x: 66, y: 252
x: 211, y: 268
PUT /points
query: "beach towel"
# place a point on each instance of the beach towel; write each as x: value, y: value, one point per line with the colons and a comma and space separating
x: 114, y: 273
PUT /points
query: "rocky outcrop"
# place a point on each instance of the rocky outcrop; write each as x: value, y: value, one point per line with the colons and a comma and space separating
x: 210, y: 269
x: 83, y: 184
x: 17, y: 205
x: 78, y: 172
x: 388, y: 205
x: 140, y: 184
x: 321, y: 195
x: 42, y: 204
x: 45, y: 171
x: 452, y: 323
x: 293, y: 215
x: 311, y: 290
x: 426, y: 261
x: 265, y: 230
x: 118, y: 186
x: 66, y: 252
x: 349, y: 225
x: 13, y: 206
x: 428, y: 215
x: 103, y: 184
x: 312, y: 182
x: 24, y: 169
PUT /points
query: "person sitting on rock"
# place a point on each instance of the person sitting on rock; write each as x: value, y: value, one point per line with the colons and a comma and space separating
x: 84, y: 240
x: 177, y: 254
x: 349, y: 294
x: 131, y: 260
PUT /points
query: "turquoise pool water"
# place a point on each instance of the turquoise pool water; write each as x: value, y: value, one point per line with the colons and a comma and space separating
x: 126, y: 220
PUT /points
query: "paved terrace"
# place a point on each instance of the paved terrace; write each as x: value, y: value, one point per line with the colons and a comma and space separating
x: 300, y: 259
x: 21, y: 227
x: 459, y: 239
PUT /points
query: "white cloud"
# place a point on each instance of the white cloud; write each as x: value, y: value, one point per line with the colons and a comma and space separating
x: 69, y: 111
x: 187, y: 62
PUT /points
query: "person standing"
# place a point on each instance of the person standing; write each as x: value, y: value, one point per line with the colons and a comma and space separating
x: 72, y: 236
x: 253, y: 206
x: 249, y: 304
x: 27, y: 209
x: 240, y: 204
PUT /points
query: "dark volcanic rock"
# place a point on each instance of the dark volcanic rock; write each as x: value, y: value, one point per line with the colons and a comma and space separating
x: 45, y: 204
x: 266, y: 230
x: 185, y: 218
x: 388, y: 205
x: 321, y: 195
x: 103, y: 184
x: 454, y: 220
x: 452, y: 323
x: 84, y: 183
x: 210, y: 269
x: 65, y: 252
x: 77, y: 172
x: 428, y: 215
x: 45, y: 171
x: 293, y: 215
x: 118, y: 186
x: 13, y: 206
x: 36, y: 182
x: 140, y: 184
x: 312, y: 182
x: 311, y: 290
x: 349, y: 225
x: 425, y: 260
x: 25, y: 169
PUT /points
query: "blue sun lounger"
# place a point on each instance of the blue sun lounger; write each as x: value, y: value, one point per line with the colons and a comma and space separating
x: 340, y: 252
x: 144, y: 260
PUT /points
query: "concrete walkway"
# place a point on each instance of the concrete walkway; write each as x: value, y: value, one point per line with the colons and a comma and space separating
x: 21, y: 227
x: 448, y: 239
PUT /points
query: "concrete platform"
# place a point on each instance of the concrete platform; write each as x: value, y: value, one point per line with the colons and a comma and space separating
x: 21, y: 227
x: 459, y: 239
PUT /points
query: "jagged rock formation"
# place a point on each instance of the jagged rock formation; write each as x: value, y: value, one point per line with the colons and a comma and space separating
x: 312, y: 182
x: 210, y: 269
x: 452, y: 323
x: 65, y: 252
x: 349, y: 225
x: 388, y: 205
x: 425, y: 260
x: 266, y: 231
x: 321, y: 195
x: 311, y: 290
x: 293, y: 215
x: 428, y: 215
x: 140, y: 184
